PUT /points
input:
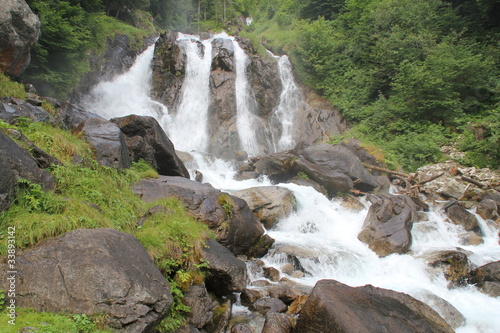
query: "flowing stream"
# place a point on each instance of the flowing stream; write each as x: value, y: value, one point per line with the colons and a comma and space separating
x: 324, y: 230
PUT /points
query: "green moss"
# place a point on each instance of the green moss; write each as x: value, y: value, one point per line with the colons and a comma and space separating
x: 10, y: 88
x: 227, y: 204
x: 46, y: 322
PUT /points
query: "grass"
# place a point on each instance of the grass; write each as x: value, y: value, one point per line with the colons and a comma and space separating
x: 10, y: 88
x: 46, y: 322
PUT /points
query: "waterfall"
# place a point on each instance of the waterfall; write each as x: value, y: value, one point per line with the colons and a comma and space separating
x: 188, y: 128
x: 247, y: 122
x: 127, y: 93
x: 291, y: 101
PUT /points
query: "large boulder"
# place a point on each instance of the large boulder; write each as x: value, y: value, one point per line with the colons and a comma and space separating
x: 234, y: 224
x: 96, y: 271
x: 146, y: 140
x: 104, y: 136
x: 442, y: 306
x: 19, y: 32
x: 461, y: 216
x: 487, y: 278
x: 337, y: 308
x: 387, y: 226
x: 331, y: 160
x: 17, y: 163
x: 269, y: 203
x: 227, y: 273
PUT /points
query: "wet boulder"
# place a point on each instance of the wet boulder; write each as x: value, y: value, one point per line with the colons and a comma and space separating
x: 268, y: 203
x: 487, y: 209
x: 19, y: 32
x: 93, y: 271
x: 227, y: 273
x: 487, y: 278
x: 278, y: 167
x: 145, y: 139
x: 449, y: 313
x: 268, y: 305
x: 387, y: 226
x: 234, y: 224
x: 461, y: 216
x: 454, y: 264
x: 335, y: 307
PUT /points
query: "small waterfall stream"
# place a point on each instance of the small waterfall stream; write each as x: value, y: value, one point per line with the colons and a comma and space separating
x: 323, y: 229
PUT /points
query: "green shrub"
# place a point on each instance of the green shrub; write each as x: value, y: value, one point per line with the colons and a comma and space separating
x: 10, y: 88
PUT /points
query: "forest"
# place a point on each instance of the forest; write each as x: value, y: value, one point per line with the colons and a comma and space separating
x: 409, y: 75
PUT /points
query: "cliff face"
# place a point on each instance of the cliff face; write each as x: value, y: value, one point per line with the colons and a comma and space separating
x: 19, y: 32
x: 314, y: 119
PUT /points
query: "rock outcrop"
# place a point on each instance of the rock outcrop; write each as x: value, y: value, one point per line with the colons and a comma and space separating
x: 145, y: 139
x: 12, y: 108
x: 97, y: 271
x: 387, y: 226
x: 487, y: 278
x: 104, y: 136
x: 229, y: 217
x: 19, y: 32
x: 335, y: 307
x: 17, y: 163
x: 268, y: 203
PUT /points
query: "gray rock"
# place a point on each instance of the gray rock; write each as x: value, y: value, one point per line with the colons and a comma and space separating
x: 202, y: 306
x: 487, y: 278
x: 146, y: 140
x: 449, y: 313
x: 19, y: 32
x: 269, y: 304
x: 452, y: 189
x: 17, y: 163
x: 387, y: 226
x: 336, y: 307
x: 11, y: 109
x: 487, y: 209
x: 277, y: 323
x: 460, y: 216
x: 227, y: 273
x: 93, y: 271
x: 229, y: 217
x: 268, y: 203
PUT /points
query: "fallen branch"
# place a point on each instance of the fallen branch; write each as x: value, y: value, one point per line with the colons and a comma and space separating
x: 374, y: 167
x: 472, y: 181
x: 431, y: 179
x: 465, y: 193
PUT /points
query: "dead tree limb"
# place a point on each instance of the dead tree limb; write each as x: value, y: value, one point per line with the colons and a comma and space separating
x: 472, y: 181
x: 374, y: 167
x: 431, y: 179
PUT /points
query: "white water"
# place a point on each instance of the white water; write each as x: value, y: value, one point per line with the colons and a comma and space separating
x: 328, y: 230
x: 188, y: 128
x: 291, y: 100
x: 247, y: 122
x: 127, y: 93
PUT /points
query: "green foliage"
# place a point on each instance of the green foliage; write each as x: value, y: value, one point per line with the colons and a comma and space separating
x: 46, y: 322
x: 32, y: 198
x: 10, y: 88
x: 58, y: 61
x: 176, y: 314
x: 481, y: 141
x: 227, y: 204
x: 2, y: 300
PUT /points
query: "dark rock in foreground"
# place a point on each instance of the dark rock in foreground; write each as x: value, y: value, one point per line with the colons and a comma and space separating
x: 146, y: 140
x: 337, y: 308
x: 97, y: 271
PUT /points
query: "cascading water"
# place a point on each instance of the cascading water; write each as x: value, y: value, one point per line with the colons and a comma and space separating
x: 291, y: 101
x: 322, y: 230
x: 188, y: 128
x: 247, y: 122
x: 127, y: 93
